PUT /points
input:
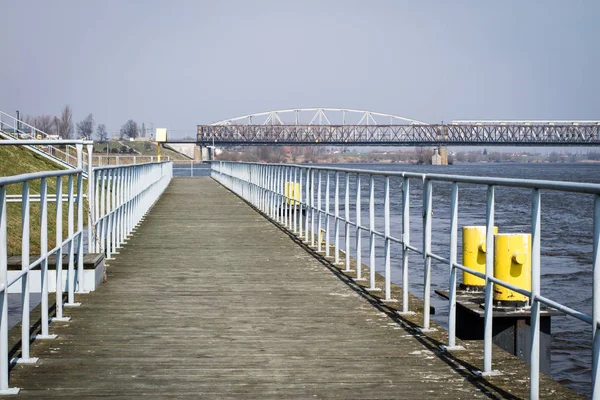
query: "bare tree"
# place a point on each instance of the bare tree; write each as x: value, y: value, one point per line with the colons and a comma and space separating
x: 55, y: 125
x: 65, y: 127
x: 43, y: 123
x: 143, y: 131
x: 101, y: 132
x: 85, y: 128
x: 129, y: 130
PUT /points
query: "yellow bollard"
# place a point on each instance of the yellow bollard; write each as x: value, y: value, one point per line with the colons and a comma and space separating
x: 474, y: 255
x: 322, y: 236
x: 292, y: 191
x: 512, y: 264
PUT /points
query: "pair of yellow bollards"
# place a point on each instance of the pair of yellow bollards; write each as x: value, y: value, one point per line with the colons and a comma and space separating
x: 512, y: 262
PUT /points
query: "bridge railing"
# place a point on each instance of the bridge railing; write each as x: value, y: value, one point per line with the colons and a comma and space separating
x: 264, y: 186
x: 123, y: 195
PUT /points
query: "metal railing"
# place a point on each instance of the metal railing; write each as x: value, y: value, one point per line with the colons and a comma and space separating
x: 118, y: 198
x: 73, y: 240
x: 122, y: 197
x: 264, y: 186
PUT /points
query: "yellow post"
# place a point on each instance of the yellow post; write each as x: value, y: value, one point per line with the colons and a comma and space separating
x: 512, y: 264
x: 158, y: 145
x: 474, y: 248
x: 292, y: 191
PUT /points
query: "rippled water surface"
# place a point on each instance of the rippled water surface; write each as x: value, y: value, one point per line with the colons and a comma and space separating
x: 567, y: 228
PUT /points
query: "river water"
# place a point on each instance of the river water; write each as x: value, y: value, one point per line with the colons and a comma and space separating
x: 567, y: 228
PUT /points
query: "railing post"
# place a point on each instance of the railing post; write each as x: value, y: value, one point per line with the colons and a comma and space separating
x: 44, y: 253
x: 307, y: 216
x: 453, y: 260
x: 596, y: 302
x: 59, y: 252
x: 337, y: 218
x: 71, y: 233
x: 534, y: 355
x: 300, y: 203
x: 80, y: 232
x: 327, y: 215
x: 295, y: 205
x: 427, y: 208
x: 347, y: 221
x: 372, y: 233
x: 25, y: 291
x: 312, y: 209
x: 489, y: 285
x: 405, y: 241
x: 90, y: 196
x: 319, y: 213
x: 387, y: 243
x: 4, y: 389
x: 358, y: 231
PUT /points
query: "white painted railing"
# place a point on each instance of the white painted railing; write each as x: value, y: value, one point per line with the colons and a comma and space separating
x: 263, y: 185
x: 123, y: 195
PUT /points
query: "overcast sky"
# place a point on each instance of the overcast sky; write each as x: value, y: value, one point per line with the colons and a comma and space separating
x: 182, y: 63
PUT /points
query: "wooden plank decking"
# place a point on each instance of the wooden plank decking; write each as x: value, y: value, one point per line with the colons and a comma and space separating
x: 210, y: 300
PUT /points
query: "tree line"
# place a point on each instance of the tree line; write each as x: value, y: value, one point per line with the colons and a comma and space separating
x: 64, y: 127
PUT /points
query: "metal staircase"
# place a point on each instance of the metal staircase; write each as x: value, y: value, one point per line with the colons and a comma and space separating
x: 14, y: 129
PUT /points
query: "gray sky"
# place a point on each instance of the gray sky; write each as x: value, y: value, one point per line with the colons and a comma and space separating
x: 180, y: 63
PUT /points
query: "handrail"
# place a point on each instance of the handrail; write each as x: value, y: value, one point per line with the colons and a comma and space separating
x: 123, y: 195
x: 74, y: 238
x: 264, y: 186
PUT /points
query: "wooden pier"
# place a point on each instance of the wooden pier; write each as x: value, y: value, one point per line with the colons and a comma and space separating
x: 209, y: 299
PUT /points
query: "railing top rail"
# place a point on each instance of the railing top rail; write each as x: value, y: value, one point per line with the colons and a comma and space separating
x: 8, y: 180
x: 20, y: 122
x: 578, y: 187
x: 43, y: 142
x: 128, y: 165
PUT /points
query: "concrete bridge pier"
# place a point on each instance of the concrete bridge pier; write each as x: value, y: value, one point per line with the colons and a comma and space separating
x: 440, y: 156
x: 203, y: 153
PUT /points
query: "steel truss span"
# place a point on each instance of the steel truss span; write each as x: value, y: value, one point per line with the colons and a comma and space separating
x: 415, y: 133
x: 318, y: 116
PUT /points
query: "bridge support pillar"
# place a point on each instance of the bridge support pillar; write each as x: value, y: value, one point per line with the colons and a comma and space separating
x: 203, y: 153
x: 440, y: 156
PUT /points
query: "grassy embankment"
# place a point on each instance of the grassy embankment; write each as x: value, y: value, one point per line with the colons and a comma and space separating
x: 15, y: 160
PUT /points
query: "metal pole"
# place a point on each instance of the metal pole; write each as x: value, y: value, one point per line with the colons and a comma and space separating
x: 347, y: 221
x: 312, y: 209
x: 44, y: 266
x: 90, y: 194
x: 427, y: 208
x: 300, y: 205
x: 327, y: 215
x: 358, y: 231
x: 25, y: 261
x: 386, y: 219
x: 4, y: 298
x: 534, y: 355
x: 337, y: 217
x: 489, y: 285
x: 405, y: 240
x: 596, y: 301
x: 453, y: 260
x: 319, y: 214
x: 59, y: 252
x: 372, y: 233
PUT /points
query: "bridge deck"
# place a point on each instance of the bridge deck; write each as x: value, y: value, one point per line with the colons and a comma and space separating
x: 209, y: 299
